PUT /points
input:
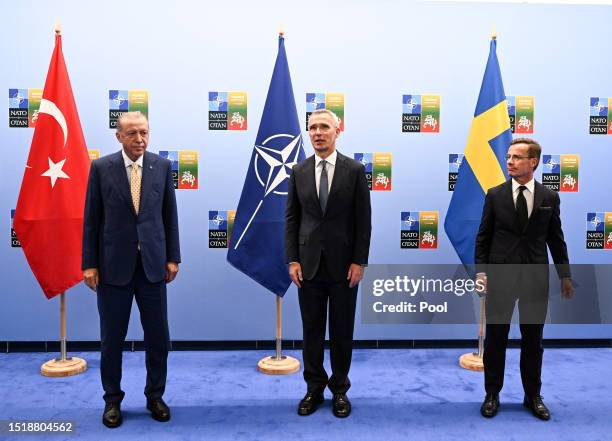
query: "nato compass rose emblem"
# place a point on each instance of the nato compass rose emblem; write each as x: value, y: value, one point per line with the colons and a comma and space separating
x: 272, y: 163
x: 218, y: 220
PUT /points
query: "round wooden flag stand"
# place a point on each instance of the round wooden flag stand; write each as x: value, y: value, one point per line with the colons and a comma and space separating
x: 278, y: 364
x: 63, y: 366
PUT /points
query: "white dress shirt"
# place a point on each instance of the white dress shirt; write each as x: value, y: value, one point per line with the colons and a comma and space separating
x: 528, y: 193
x: 128, y: 164
x: 330, y: 167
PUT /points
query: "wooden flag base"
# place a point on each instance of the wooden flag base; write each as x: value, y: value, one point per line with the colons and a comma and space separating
x: 278, y: 366
x: 471, y: 361
x: 63, y: 368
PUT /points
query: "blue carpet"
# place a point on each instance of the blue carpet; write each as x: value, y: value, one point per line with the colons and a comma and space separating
x: 396, y: 394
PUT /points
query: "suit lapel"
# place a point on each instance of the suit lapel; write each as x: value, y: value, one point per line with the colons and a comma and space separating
x: 309, y: 170
x: 120, y: 179
x: 339, y: 174
x: 510, y: 207
x: 538, y: 197
x: 149, y: 167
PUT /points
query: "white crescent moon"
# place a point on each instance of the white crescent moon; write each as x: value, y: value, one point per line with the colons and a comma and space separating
x: 51, y: 109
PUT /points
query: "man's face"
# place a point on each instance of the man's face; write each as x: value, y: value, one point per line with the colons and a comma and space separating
x: 134, y: 136
x: 518, y: 162
x: 323, y: 133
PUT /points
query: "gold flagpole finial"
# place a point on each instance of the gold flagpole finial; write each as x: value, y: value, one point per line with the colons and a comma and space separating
x: 58, y: 27
x: 494, y: 33
x: 281, y: 31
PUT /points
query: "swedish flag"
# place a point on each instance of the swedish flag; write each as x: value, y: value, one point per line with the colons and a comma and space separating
x: 483, y: 166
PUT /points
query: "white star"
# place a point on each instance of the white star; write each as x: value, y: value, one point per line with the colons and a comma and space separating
x: 282, y: 164
x: 55, y: 171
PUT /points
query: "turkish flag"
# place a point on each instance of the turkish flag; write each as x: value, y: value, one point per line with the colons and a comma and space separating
x: 49, y: 214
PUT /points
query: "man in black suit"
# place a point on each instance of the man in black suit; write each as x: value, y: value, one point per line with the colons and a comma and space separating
x: 131, y: 249
x: 520, y: 219
x: 327, y: 245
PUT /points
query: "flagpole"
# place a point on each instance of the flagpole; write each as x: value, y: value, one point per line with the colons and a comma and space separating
x: 474, y: 360
x: 63, y: 366
x: 278, y: 364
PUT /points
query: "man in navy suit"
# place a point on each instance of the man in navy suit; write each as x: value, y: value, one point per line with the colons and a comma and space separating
x: 520, y: 220
x: 131, y: 249
x: 327, y: 240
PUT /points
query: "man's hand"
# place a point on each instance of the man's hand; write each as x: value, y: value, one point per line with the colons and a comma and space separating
x: 295, y: 272
x: 171, y: 271
x: 481, y: 284
x: 567, y: 289
x: 355, y: 274
x: 90, y: 277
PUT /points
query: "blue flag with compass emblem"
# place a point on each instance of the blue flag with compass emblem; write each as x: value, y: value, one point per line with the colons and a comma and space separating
x: 257, y: 244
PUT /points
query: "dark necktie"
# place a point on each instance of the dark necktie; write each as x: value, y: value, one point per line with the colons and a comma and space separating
x: 323, y: 186
x: 521, y: 207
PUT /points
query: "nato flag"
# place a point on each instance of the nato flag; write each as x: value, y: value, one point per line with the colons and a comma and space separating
x: 257, y: 244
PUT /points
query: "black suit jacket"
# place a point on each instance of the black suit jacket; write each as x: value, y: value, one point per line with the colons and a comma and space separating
x: 112, y: 231
x: 342, y: 233
x: 500, y: 239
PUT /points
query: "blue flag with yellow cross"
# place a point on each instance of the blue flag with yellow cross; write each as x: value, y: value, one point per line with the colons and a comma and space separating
x: 483, y: 165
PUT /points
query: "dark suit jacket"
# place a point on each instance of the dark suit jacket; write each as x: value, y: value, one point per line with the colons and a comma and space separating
x: 112, y: 230
x: 500, y: 239
x: 342, y: 233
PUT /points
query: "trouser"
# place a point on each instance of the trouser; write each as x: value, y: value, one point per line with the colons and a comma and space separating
x: 532, y: 314
x: 314, y: 297
x: 114, y: 306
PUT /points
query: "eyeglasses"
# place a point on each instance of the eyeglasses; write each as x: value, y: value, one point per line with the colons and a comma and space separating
x: 516, y: 157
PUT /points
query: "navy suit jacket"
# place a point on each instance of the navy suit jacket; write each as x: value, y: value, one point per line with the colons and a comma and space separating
x: 342, y: 233
x: 112, y: 230
x: 500, y: 239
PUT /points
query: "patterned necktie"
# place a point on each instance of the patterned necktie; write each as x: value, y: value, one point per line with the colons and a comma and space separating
x: 135, y: 180
x: 323, y: 186
x: 521, y: 207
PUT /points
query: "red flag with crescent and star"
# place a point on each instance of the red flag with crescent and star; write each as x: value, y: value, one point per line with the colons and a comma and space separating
x: 49, y: 215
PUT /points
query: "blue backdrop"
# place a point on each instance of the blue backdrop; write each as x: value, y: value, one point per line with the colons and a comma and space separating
x: 373, y: 52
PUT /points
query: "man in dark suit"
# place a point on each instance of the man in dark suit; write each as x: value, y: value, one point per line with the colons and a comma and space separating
x: 520, y: 219
x: 131, y: 248
x: 327, y: 245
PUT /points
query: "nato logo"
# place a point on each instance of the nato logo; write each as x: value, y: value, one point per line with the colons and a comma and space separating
x: 217, y: 101
x: 118, y: 100
x: 598, y: 116
x: 410, y: 221
x: 411, y: 104
x: 409, y: 230
x: 552, y: 164
x: 599, y: 107
x: 18, y: 98
x: 454, y: 163
x: 18, y: 108
x: 14, y: 241
x: 217, y: 229
x: 217, y: 220
x: 315, y: 101
x: 595, y: 230
x: 173, y: 157
x: 366, y: 160
x: 595, y: 222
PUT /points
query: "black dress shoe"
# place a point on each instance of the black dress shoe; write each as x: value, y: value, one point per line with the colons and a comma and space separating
x: 341, y: 406
x: 537, y: 406
x: 159, y: 410
x: 310, y: 403
x: 111, y: 417
x: 490, y: 406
